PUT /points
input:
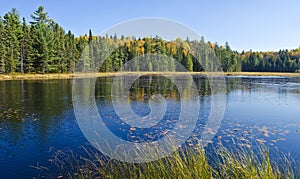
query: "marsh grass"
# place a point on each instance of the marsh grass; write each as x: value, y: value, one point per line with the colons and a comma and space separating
x: 247, y: 163
x: 20, y: 76
x: 184, y: 163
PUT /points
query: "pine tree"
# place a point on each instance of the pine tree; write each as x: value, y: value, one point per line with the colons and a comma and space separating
x: 27, y: 52
x: 90, y: 36
x: 71, y: 51
x: 3, y: 49
x: 40, y: 17
x: 44, y: 41
x: 13, y: 33
x: 33, y: 61
x: 58, y: 64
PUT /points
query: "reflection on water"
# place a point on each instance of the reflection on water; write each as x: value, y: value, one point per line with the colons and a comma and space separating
x: 34, y: 116
x: 37, y: 116
x: 24, y: 101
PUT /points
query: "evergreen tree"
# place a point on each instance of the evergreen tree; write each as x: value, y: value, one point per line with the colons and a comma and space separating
x: 44, y: 41
x: 27, y: 52
x: 71, y: 51
x: 58, y: 63
x: 90, y: 36
x: 40, y: 17
x: 3, y: 49
x: 189, y: 63
x: 13, y: 34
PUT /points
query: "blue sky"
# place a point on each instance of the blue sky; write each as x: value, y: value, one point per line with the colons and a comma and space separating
x: 259, y: 25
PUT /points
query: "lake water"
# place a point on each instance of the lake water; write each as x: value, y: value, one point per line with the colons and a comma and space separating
x: 37, y: 117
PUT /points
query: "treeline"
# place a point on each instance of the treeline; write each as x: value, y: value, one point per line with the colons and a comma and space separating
x: 42, y: 46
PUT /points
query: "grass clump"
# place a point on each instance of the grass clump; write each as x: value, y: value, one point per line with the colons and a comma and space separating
x: 184, y: 163
x: 245, y: 163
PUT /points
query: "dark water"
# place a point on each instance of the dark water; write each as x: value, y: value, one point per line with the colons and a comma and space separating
x: 37, y: 117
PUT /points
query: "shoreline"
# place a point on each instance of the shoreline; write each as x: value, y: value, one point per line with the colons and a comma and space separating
x: 51, y: 76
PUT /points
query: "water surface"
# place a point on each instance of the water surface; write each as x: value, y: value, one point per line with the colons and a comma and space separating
x: 37, y: 117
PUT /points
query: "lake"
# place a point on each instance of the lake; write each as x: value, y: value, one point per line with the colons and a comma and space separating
x: 37, y: 118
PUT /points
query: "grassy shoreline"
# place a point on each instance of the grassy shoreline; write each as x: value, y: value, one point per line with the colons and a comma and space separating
x: 183, y: 163
x: 19, y: 76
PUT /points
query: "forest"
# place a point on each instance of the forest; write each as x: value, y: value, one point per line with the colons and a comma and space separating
x: 43, y: 46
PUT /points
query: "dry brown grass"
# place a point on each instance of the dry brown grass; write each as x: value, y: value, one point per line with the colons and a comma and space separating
x: 19, y: 76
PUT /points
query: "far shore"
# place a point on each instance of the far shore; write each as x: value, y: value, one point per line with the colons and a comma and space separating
x: 19, y: 76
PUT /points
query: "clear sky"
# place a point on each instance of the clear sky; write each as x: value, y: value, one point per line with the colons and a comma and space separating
x: 259, y: 25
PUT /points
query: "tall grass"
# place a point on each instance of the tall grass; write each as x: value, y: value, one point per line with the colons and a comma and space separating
x: 184, y: 163
x: 245, y: 163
